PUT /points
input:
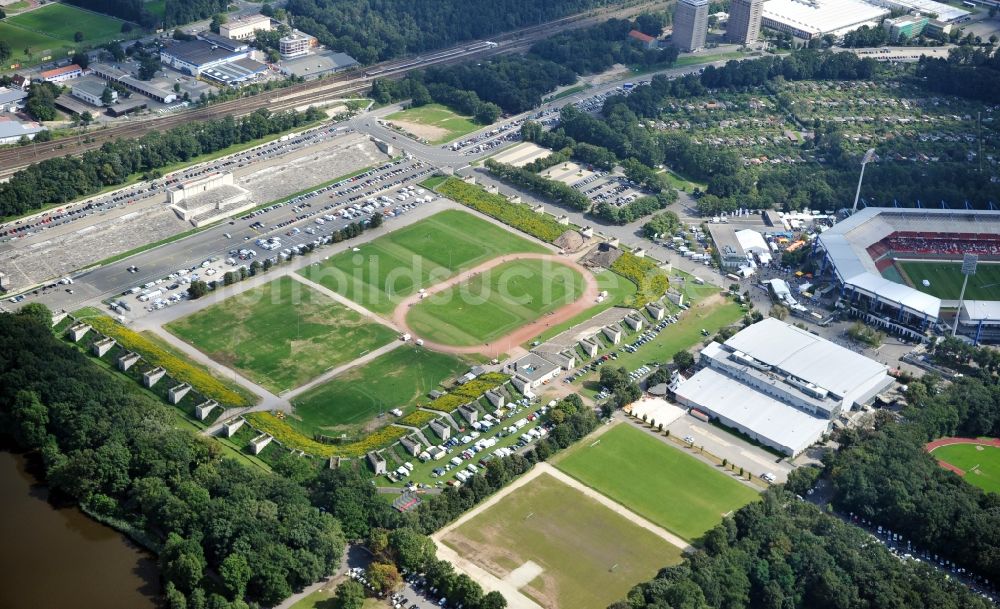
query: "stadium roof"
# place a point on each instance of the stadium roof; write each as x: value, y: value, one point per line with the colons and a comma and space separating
x: 769, y: 418
x: 980, y: 310
x: 847, y: 241
x: 808, y: 357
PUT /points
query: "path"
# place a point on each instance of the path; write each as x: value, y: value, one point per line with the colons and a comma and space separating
x: 525, y: 332
x: 332, y: 372
x: 508, y: 587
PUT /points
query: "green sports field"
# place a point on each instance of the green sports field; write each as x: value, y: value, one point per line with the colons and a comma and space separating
x: 281, y: 334
x: 447, y: 124
x: 387, y: 270
x: 493, y: 303
x: 51, y: 29
x: 585, y: 555
x: 656, y: 480
x: 946, y: 279
x: 981, y: 463
x: 393, y: 380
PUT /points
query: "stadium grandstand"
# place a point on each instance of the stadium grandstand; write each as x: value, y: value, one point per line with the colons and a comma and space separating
x: 882, y: 258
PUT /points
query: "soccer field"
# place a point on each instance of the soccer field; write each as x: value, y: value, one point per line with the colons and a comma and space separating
x: 396, y: 379
x: 50, y: 31
x: 946, y: 278
x: 441, y: 124
x: 495, y: 302
x: 981, y: 463
x: 281, y: 334
x: 566, y: 548
x: 387, y: 270
x: 656, y: 480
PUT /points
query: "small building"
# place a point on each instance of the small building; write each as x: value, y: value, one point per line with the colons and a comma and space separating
x: 377, y: 462
x: 295, y: 45
x: 656, y: 310
x: 442, y: 429
x: 245, y: 27
x: 564, y: 359
x: 315, y: 65
x: 91, y: 90
x: 613, y: 333
x: 470, y: 414
x: 904, y: 28
x: 11, y: 131
x: 634, y: 321
x: 64, y: 73
x: 496, y: 398
x: 531, y: 371
x: 731, y: 254
x: 590, y: 347
x: 12, y: 100
x: 20, y: 82
x: 411, y: 445
x: 112, y: 74
x: 644, y: 39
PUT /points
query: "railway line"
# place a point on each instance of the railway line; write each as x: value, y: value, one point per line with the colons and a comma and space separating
x: 301, y: 94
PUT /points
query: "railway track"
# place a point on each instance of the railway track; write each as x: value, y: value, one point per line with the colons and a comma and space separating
x: 518, y: 41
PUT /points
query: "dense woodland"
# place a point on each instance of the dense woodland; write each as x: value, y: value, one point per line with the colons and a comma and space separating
x: 968, y: 72
x: 377, y: 30
x: 63, y: 179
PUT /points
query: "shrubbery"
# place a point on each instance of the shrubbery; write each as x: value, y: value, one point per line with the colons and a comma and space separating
x: 516, y: 215
x: 293, y: 439
x: 651, y: 280
x: 473, y: 390
x: 551, y: 189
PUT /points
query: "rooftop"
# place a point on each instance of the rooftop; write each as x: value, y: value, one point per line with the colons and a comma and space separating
x: 12, y: 128
x: 59, y: 71
x: 11, y: 95
x: 724, y: 236
x: 199, y: 52
x: 90, y: 84
x: 533, y: 366
x: 980, y: 310
x: 318, y: 63
x: 819, y: 17
x: 640, y: 36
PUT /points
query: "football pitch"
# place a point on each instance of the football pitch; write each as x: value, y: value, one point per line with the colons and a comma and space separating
x: 281, y: 334
x: 385, y: 271
x: 560, y: 547
x: 495, y: 302
x: 946, y: 278
x: 52, y: 28
x: 657, y: 481
x: 396, y: 379
x: 980, y: 463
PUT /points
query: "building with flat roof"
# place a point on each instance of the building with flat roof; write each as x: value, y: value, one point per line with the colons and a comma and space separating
x: 235, y: 72
x: 690, y: 25
x: 743, y: 22
x: 243, y: 28
x: 816, y: 18
x: 112, y: 74
x: 945, y: 12
x: 781, y: 385
x: 195, y: 56
x: 295, y: 45
x: 904, y: 28
x: 91, y: 89
x: 979, y: 320
x: 11, y: 131
x: 12, y: 100
x: 731, y: 254
x: 315, y: 65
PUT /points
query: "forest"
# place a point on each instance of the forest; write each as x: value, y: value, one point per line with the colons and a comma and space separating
x: 968, y: 72
x: 377, y: 30
x: 64, y: 179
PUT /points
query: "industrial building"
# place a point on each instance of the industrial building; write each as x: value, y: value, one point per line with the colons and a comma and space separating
x: 195, y: 56
x: 781, y: 385
x: 11, y: 131
x: 235, y: 72
x: 816, y: 18
x: 91, y: 89
x: 63, y: 73
x: 644, y: 39
x: 979, y: 320
x: 690, y: 25
x: 945, y: 12
x: 244, y: 27
x: 112, y: 74
x: 318, y: 64
x: 743, y: 23
x: 904, y: 28
x: 11, y: 100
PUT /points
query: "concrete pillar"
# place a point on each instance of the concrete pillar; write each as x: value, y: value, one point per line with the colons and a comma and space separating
x: 127, y: 361
x: 102, y: 346
x: 78, y: 331
x: 259, y: 443
x: 151, y: 377
x: 176, y: 394
x: 232, y: 427
x: 204, y: 409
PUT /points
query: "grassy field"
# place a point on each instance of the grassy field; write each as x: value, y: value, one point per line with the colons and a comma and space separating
x: 494, y: 303
x: 440, y: 118
x: 619, y: 290
x: 981, y: 463
x: 656, y: 480
x: 52, y: 28
x: 394, y: 266
x: 589, y: 555
x: 681, y: 183
x: 394, y: 380
x: 946, y: 279
x: 281, y: 334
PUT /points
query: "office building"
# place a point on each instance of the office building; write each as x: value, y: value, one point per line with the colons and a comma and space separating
x: 904, y: 28
x: 743, y: 25
x: 244, y: 27
x: 294, y: 45
x: 690, y: 25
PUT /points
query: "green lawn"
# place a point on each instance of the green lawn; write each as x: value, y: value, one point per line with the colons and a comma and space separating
x: 619, y: 290
x: 946, y: 279
x: 62, y: 21
x: 981, y: 463
x: 589, y: 555
x: 436, y: 115
x: 20, y: 39
x: 393, y: 380
x: 281, y: 334
x: 656, y: 480
x: 385, y: 271
x: 681, y: 183
x: 492, y: 304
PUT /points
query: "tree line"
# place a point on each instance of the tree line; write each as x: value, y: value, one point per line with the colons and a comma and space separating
x: 64, y: 179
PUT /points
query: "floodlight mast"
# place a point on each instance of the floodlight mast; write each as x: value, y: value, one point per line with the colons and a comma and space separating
x: 869, y: 155
x: 969, y: 262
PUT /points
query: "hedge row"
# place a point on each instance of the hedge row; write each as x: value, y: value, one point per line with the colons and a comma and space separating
x: 516, y: 215
x: 651, y: 280
x: 417, y: 418
x: 463, y: 394
x: 199, y: 379
x: 293, y: 439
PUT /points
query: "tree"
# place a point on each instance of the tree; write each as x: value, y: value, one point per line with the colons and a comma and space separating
x: 40, y: 103
x: 217, y: 20
x: 683, y: 359
x: 411, y: 549
x: 384, y: 577
x: 126, y: 27
x: 197, y: 289
x: 235, y: 573
x: 183, y: 562
x: 107, y: 96
x: 5, y: 50
x: 3, y: 14
x: 493, y: 600
x: 81, y: 59
x: 148, y: 66
x: 37, y: 312
x: 349, y: 595
x: 487, y: 113
x: 778, y: 311
x: 78, y: 36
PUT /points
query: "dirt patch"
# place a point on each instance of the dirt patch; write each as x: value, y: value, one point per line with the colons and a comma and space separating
x: 427, y: 132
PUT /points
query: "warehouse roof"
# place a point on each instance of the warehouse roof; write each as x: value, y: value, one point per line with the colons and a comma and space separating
x: 90, y: 84
x: 199, y: 52
x: 11, y: 95
x: 822, y: 16
x: 807, y: 356
x: 769, y: 418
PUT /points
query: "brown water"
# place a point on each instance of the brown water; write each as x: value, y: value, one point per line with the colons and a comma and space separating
x: 58, y: 558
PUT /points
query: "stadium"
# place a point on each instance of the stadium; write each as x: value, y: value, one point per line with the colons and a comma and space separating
x: 900, y: 269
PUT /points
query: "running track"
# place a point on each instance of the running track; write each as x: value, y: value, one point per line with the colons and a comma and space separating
x: 931, y: 446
